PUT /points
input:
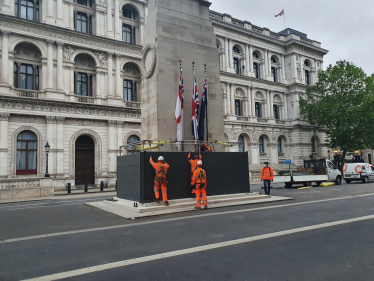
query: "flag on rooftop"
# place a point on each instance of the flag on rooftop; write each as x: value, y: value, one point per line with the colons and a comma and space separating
x: 280, y: 14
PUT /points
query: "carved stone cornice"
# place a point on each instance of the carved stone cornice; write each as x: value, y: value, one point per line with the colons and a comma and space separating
x: 44, y: 31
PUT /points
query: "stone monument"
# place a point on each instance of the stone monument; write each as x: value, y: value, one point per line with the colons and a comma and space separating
x: 179, y: 30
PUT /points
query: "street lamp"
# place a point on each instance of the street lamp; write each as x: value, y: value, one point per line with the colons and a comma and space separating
x: 47, y: 146
x: 336, y: 151
x: 328, y: 153
x: 357, y: 152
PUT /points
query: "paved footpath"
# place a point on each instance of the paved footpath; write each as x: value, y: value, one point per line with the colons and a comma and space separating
x: 324, y: 234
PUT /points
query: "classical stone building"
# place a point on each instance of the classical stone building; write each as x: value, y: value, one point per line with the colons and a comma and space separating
x: 72, y: 73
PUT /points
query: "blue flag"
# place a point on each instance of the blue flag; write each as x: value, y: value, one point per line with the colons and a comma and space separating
x: 203, y: 109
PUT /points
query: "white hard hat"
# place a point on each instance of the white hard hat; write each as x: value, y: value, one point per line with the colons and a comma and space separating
x: 200, y: 163
x: 160, y: 158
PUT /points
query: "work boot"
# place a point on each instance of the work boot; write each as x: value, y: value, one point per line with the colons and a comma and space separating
x: 197, y: 208
x: 158, y: 200
x: 166, y: 203
x: 205, y: 207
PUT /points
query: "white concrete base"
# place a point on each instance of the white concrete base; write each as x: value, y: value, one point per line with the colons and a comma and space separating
x: 126, y: 209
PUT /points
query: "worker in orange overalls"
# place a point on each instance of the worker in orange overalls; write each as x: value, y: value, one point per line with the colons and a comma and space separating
x: 193, y: 163
x: 267, y: 175
x: 199, y: 181
x: 161, y: 168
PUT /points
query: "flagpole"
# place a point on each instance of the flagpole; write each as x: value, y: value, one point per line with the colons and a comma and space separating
x: 206, y: 108
x: 284, y: 18
x: 181, y: 142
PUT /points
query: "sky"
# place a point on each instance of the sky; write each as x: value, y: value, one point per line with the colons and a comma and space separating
x: 344, y: 27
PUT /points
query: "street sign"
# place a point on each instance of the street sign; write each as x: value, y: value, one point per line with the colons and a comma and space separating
x: 287, y: 161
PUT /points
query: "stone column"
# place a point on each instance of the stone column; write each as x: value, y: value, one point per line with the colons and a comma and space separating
x: 117, y: 30
x: 228, y: 98
x: 266, y: 62
x: 71, y: 15
x: 110, y: 74
x: 50, y: 18
x: 51, y: 138
x: 98, y: 85
x: 296, y: 105
x: 294, y: 67
x: 60, y: 145
x: 271, y: 96
x: 5, y: 8
x: 250, y: 58
x: 302, y: 69
x: 119, y: 135
x: 253, y: 101
x: 269, y: 63
x: 60, y: 75
x: 232, y: 102
x: 72, y: 81
x: 109, y: 31
x: 255, y: 152
x: 5, y: 58
x: 112, y: 148
x: 268, y: 114
x: 230, y: 55
x: 283, y: 68
x: 285, y: 106
x: 59, y: 8
x: 118, y: 79
x: 50, y: 64
x: 245, y: 105
x: 141, y: 35
x: 4, y: 116
x: 249, y: 101
x: 227, y: 60
x: 247, y: 67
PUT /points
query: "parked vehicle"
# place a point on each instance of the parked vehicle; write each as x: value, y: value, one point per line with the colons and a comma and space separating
x: 314, y: 170
x: 358, y: 172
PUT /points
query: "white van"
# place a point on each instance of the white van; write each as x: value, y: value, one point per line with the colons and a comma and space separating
x: 358, y: 172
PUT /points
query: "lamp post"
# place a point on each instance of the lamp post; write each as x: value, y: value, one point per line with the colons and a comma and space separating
x: 328, y: 154
x: 47, y: 146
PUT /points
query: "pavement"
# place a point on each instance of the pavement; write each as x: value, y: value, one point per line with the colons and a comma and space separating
x: 324, y: 234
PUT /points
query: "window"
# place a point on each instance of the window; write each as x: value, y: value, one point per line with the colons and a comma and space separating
x: 81, y: 23
x: 83, y: 85
x: 261, y: 145
x: 26, y: 77
x: 274, y: 74
x: 26, y: 153
x: 87, y: 3
x: 256, y: 55
x: 273, y: 60
x: 238, y: 108
x: 256, y: 70
x: 27, y: 9
x: 236, y: 50
x: 258, y: 109
x: 129, y: 90
x: 241, y: 144
x: 236, y: 66
x: 130, y: 12
x: 275, y: 111
x: 313, y: 145
x: 132, y: 139
x: 307, y: 63
x: 307, y: 79
x: 279, y: 145
x: 126, y: 34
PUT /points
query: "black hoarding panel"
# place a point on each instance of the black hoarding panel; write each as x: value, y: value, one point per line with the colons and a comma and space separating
x: 227, y: 173
x: 129, y: 177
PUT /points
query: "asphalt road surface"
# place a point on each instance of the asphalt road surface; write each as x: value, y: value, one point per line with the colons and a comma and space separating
x: 326, y: 233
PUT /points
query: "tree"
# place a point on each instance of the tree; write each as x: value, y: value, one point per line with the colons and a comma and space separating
x: 342, y: 101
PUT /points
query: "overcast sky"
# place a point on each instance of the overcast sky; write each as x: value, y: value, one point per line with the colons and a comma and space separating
x: 344, y: 27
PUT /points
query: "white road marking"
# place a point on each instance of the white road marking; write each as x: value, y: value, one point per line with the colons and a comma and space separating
x: 128, y: 262
x: 174, y: 219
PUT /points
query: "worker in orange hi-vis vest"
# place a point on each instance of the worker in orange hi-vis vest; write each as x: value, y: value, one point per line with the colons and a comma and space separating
x: 193, y: 163
x: 199, y: 181
x: 267, y: 175
x: 161, y: 168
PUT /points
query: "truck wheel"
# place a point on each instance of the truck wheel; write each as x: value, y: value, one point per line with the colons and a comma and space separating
x: 365, y: 180
x: 348, y: 181
x: 338, y: 180
x: 307, y: 183
x: 318, y: 183
x: 288, y: 184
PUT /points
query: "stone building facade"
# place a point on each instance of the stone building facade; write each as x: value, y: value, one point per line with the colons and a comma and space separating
x: 72, y: 72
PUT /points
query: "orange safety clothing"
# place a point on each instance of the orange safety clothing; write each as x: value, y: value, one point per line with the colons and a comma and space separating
x: 160, y: 179
x: 267, y: 173
x: 193, y: 162
x: 199, y: 180
x: 206, y: 147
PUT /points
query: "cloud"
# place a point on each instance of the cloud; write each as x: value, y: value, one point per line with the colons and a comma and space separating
x: 343, y: 27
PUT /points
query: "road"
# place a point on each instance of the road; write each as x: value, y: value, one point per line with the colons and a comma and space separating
x: 326, y: 233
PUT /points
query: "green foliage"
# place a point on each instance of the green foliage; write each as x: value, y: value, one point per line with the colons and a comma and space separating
x: 343, y: 102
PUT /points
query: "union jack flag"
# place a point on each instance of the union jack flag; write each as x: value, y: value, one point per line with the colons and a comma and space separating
x: 195, y: 110
x: 179, y: 112
x: 203, y: 109
x: 280, y: 14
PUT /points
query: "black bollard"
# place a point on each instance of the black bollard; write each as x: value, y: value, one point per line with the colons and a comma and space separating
x: 85, y: 187
x: 101, y: 186
x: 69, y: 187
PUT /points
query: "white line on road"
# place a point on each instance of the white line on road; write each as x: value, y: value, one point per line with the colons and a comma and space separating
x: 174, y: 219
x: 128, y: 262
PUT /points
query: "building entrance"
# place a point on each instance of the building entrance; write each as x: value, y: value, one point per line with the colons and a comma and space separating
x: 84, y: 160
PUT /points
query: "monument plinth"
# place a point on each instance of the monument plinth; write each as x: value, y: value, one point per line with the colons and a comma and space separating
x: 179, y: 30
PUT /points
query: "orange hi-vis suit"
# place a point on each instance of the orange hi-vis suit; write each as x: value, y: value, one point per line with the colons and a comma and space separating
x: 160, y: 179
x: 193, y: 162
x: 199, y: 179
x: 267, y: 173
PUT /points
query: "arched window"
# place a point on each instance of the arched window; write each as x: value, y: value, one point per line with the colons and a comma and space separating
x: 27, y: 9
x: 26, y: 160
x: 261, y: 145
x: 258, y: 109
x: 236, y: 50
x: 85, y: 66
x: 279, y: 145
x: 132, y: 139
x: 256, y: 55
x: 273, y: 60
x: 129, y: 12
x: 241, y: 144
x: 307, y: 78
x: 306, y: 63
x: 238, y: 108
x: 313, y: 145
x: 236, y: 66
x: 128, y: 35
